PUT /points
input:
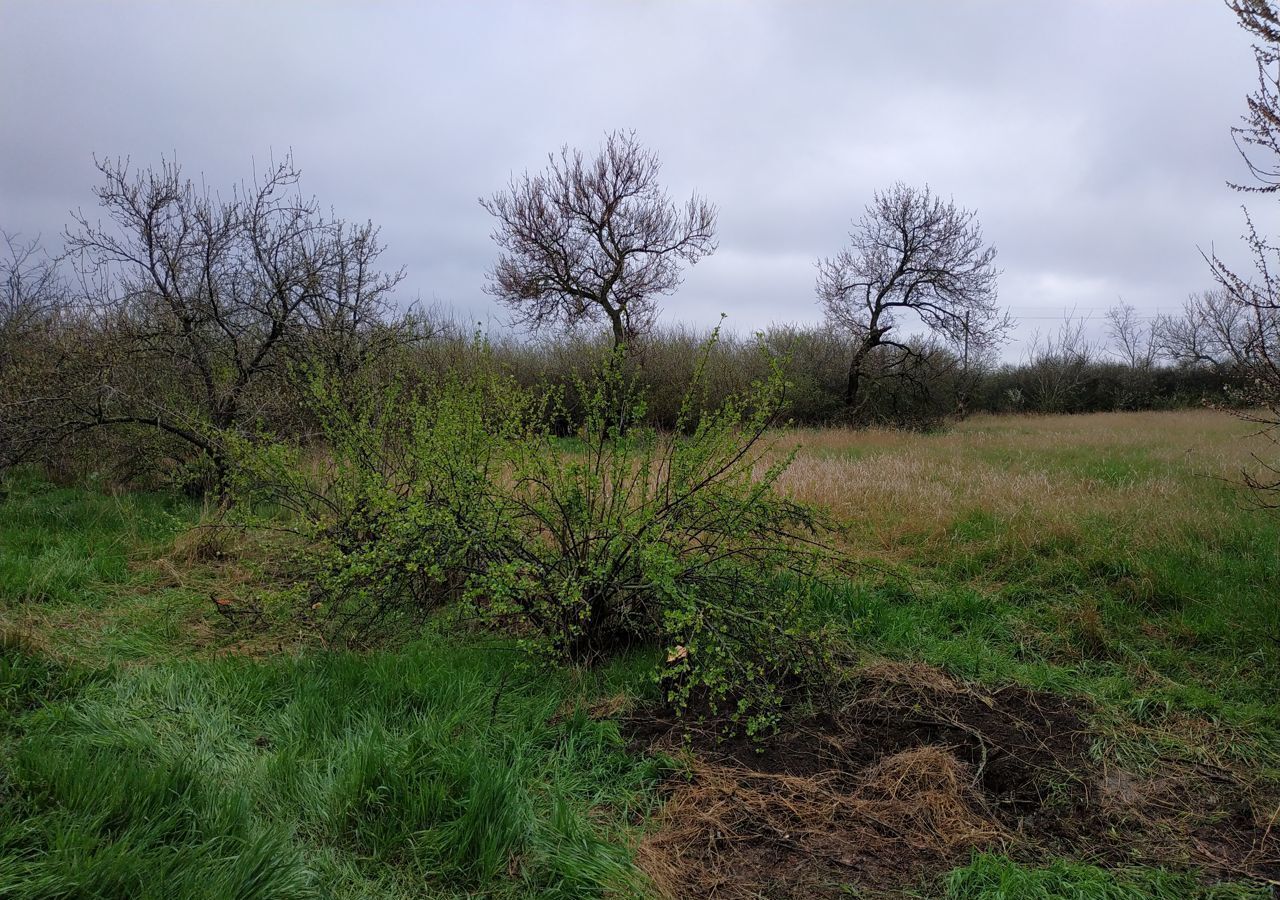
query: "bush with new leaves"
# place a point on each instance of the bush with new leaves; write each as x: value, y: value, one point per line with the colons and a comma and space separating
x: 618, y: 536
x: 393, y: 512
x: 628, y: 535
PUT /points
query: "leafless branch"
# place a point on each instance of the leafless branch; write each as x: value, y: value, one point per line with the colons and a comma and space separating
x: 594, y: 239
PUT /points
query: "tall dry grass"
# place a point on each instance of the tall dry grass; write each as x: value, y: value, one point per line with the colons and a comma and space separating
x: 1145, y: 474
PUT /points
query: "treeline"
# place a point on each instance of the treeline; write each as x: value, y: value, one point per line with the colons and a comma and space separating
x: 184, y: 317
x: 928, y: 388
x: 126, y: 395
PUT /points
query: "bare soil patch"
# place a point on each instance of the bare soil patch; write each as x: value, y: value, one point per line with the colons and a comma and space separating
x: 908, y: 776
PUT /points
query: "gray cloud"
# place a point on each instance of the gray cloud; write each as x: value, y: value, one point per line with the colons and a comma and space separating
x: 1092, y: 137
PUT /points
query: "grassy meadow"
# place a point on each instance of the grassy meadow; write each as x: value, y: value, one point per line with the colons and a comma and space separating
x: 155, y: 745
x: 1110, y: 554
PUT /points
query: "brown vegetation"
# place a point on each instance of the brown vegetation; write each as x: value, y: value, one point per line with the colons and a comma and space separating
x: 912, y: 771
x: 1033, y: 474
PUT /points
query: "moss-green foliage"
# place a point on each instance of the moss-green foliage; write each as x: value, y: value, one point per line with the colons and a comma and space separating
x: 674, y: 538
x: 399, y: 510
x: 990, y: 877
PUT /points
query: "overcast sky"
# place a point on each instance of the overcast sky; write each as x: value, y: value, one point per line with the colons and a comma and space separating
x: 1092, y: 138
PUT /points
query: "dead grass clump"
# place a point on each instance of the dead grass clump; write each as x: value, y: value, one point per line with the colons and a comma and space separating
x: 1026, y: 747
x: 906, y: 776
x: 734, y: 832
x: 922, y: 675
x: 208, y: 542
x: 914, y: 769
x: 1088, y: 631
x: 21, y: 639
x: 607, y: 707
x: 927, y: 798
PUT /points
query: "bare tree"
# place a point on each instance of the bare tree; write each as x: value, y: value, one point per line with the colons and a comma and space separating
x: 200, y: 306
x: 1136, y: 345
x: 1240, y: 320
x: 1249, y: 303
x: 1185, y: 339
x: 31, y: 293
x: 1257, y: 137
x: 594, y: 240
x: 1133, y: 343
x: 32, y: 299
x: 911, y: 257
x: 1058, y: 364
x: 1258, y: 140
x: 1213, y: 331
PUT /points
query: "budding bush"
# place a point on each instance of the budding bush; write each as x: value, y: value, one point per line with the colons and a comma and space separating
x: 617, y: 536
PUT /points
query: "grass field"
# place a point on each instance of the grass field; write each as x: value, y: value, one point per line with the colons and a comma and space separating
x: 1100, y: 575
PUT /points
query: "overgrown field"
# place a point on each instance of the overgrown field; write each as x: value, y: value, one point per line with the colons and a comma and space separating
x: 1062, y: 679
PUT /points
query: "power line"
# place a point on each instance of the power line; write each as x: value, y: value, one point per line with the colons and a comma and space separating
x: 1084, y: 315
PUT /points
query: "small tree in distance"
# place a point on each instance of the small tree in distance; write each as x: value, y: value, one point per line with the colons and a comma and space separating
x: 594, y: 240
x: 916, y: 254
x: 31, y: 291
x: 32, y: 301
x: 1135, y: 345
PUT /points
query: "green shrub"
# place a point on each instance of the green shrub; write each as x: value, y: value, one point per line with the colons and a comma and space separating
x: 621, y: 535
x: 679, y: 538
x: 394, y: 510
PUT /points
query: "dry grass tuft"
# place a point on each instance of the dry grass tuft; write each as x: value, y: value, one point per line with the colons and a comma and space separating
x: 607, y: 707
x: 921, y: 676
x: 927, y: 799
x: 21, y: 638
x: 211, y: 541
x: 732, y: 831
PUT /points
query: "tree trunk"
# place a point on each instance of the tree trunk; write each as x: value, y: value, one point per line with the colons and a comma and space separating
x: 855, y: 374
x: 619, y: 333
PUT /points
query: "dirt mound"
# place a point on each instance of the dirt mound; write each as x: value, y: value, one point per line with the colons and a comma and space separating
x: 897, y: 785
x: 1023, y: 746
x: 1028, y: 749
x: 902, y: 781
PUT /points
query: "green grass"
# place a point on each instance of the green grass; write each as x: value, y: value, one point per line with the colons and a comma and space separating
x: 1073, y: 634
x: 136, y: 761
x: 59, y: 545
x: 436, y: 771
x: 990, y: 877
x: 131, y: 769
x: 1187, y: 623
